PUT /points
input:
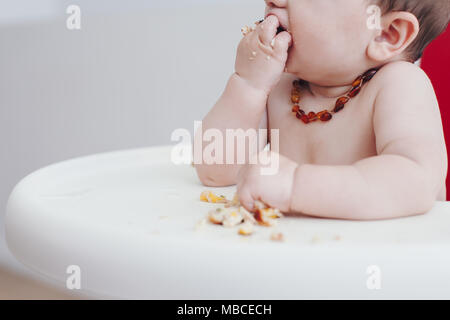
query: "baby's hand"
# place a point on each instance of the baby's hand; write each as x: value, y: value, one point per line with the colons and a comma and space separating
x: 262, y: 54
x: 274, y: 190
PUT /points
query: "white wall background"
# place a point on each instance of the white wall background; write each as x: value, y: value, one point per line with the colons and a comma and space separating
x: 19, y: 11
x: 135, y: 71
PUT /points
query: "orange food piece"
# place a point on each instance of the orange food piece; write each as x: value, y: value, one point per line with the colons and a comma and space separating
x: 208, y: 196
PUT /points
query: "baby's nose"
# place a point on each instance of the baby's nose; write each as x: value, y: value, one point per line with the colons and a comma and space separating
x: 276, y: 3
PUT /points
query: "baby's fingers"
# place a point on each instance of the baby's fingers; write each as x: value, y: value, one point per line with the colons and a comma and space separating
x: 245, y: 197
x: 282, y: 42
x: 268, y: 29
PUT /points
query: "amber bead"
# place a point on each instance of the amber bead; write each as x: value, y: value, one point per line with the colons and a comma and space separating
x: 337, y: 109
x: 295, y: 92
x: 300, y: 113
x: 369, y: 74
x: 305, y: 118
x: 357, y: 82
x: 312, y: 116
x: 324, y: 116
x: 340, y: 103
x: 354, y: 92
x: 295, y: 108
x: 295, y: 98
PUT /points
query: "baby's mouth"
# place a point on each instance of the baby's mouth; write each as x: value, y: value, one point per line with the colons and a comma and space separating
x: 280, y: 29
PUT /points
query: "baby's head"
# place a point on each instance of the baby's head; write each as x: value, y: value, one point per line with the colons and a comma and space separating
x: 334, y: 40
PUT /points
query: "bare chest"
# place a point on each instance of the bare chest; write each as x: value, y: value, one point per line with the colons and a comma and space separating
x: 346, y: 138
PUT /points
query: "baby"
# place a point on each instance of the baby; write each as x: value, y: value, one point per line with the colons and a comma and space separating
x: 383, y: 155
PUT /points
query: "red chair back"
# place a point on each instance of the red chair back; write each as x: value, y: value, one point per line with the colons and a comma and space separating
x: 436, y: 63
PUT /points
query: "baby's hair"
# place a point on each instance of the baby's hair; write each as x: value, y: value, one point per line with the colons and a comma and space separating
x: 433, y: 16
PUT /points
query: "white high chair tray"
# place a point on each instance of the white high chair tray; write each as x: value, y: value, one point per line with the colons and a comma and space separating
x: 127, y: 219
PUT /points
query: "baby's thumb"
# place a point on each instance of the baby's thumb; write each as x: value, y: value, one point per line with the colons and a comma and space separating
x: 282, y: 42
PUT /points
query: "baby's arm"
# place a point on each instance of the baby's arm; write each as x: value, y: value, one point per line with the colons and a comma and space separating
x: 260, y: 62
x: 240, y: 107
x: 410, y: 169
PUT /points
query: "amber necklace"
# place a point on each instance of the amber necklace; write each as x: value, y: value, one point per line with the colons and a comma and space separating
x: 326, y: 115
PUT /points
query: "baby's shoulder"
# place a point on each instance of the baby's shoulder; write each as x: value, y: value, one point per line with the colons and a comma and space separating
x: 404, y: 89
x: 401, y: 76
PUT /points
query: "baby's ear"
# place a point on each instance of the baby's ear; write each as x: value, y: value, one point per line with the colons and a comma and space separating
x: 398, y: 31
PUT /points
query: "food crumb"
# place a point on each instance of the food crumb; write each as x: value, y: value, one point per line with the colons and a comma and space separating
x: 216, y: 216
x: 272, y: 44
x: 232, y: 214
x: 232, y: 218
x: 315, y: 239
x: 246, y: 30
x: 277, y: 236
x: 209, y: 196
x: 246, y: 229
x: 200, y: 224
